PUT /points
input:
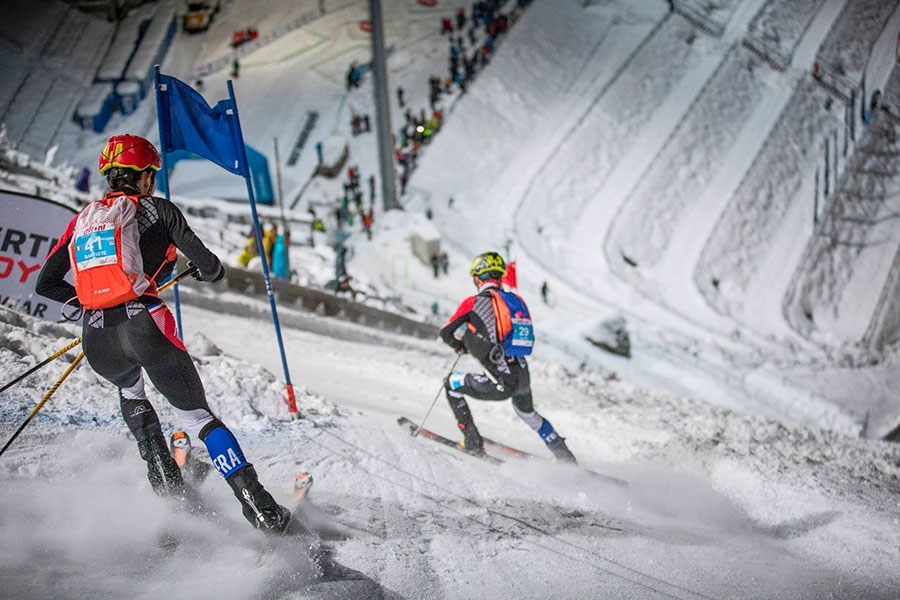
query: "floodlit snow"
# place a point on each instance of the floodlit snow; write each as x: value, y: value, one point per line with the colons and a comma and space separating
x: 596, y: 133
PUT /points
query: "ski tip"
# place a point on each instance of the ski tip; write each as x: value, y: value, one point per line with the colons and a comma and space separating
x: 180, y: 439
x: 303, y: 480
x: 181, y: 447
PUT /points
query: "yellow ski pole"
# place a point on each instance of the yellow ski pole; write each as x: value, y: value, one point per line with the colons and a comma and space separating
x: 43, y: 363
x: 43, y: 401
x: 189, y: 271
x: 61, y: 351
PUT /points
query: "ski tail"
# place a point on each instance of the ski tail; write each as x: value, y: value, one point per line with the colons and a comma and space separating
x: 501, y: 448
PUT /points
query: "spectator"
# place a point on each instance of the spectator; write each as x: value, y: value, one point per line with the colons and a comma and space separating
x: 250, y: 249
x: 445, y: 262
x: 84, y: 182
x: 281, y: 259
x: 435, y: 264
x: 367, y: 221
x: 270, y: 235
x: 400, y: 99
x: 545, y: 290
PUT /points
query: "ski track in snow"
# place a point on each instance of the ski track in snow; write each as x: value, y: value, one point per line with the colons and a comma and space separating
x: 721, y: 502
x: 809, y: 510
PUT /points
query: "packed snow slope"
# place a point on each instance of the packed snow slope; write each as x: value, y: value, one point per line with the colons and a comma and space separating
x: 719, y: 504
x: 738, y: 435
x: 641, y: 166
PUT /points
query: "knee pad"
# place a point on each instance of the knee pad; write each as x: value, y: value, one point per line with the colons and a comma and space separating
x: 454, y: 381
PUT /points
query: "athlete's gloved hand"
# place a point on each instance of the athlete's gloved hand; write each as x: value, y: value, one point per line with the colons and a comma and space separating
x: 201, y: 277
x: 497, y: 355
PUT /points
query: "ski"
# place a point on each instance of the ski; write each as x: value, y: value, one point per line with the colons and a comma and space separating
x: 428, y: 434
x: 501, y: 447
x: 193, y: 471
x: 302, y: 484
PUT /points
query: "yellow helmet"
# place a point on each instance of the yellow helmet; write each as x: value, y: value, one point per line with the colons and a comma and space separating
x: 488, y: 265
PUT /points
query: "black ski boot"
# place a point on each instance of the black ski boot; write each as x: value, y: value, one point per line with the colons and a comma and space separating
x: 561, y: 452
x: 258, y: 505
x: 162, y: 470
x: 472, y: 442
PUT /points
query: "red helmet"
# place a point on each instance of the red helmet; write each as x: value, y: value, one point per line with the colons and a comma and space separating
x: 130, y: 152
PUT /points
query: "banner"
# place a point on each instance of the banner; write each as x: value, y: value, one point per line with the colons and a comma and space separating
x: 510, y: 278
x: 29, y: 228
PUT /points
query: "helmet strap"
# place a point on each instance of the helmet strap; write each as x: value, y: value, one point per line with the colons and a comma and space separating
x: 147, y: 184
x: 483, y: 283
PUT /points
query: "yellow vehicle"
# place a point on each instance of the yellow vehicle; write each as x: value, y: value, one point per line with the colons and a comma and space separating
x: 199, y: 15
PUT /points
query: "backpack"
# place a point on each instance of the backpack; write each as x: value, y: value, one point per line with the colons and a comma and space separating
x: 105, y: 253
x: 515, y: 331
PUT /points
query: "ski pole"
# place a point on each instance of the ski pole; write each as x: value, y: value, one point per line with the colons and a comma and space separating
x: 189, y: 271
x: 61, y: 351
x: 433, y: 402
x: 43, y: 363
x: 43, y: 401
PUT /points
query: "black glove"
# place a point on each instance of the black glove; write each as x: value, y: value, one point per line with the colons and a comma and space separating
x: 201, y: 277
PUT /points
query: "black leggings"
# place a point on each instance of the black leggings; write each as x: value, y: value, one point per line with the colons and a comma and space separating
x: 121, y: 341
x: 513, y: 381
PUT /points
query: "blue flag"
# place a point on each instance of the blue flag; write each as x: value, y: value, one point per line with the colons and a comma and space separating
x: 187, y: 122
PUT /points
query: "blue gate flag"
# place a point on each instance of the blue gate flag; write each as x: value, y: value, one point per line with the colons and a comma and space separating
x: 187, y: 122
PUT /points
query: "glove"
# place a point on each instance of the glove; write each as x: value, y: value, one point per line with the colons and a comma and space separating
x: 201, y: 277
x: 497, y: 355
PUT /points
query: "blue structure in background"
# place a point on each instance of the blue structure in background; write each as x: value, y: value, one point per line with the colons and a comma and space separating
x: 126, y: 76
x: 260, y: 175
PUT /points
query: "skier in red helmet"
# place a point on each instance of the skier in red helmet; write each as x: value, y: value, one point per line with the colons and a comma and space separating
x: 119, y: 248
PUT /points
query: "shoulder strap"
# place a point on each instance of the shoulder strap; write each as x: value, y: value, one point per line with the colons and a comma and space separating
x: 501, y: 313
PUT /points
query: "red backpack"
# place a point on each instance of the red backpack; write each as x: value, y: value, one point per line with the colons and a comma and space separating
x: 105, y: 253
